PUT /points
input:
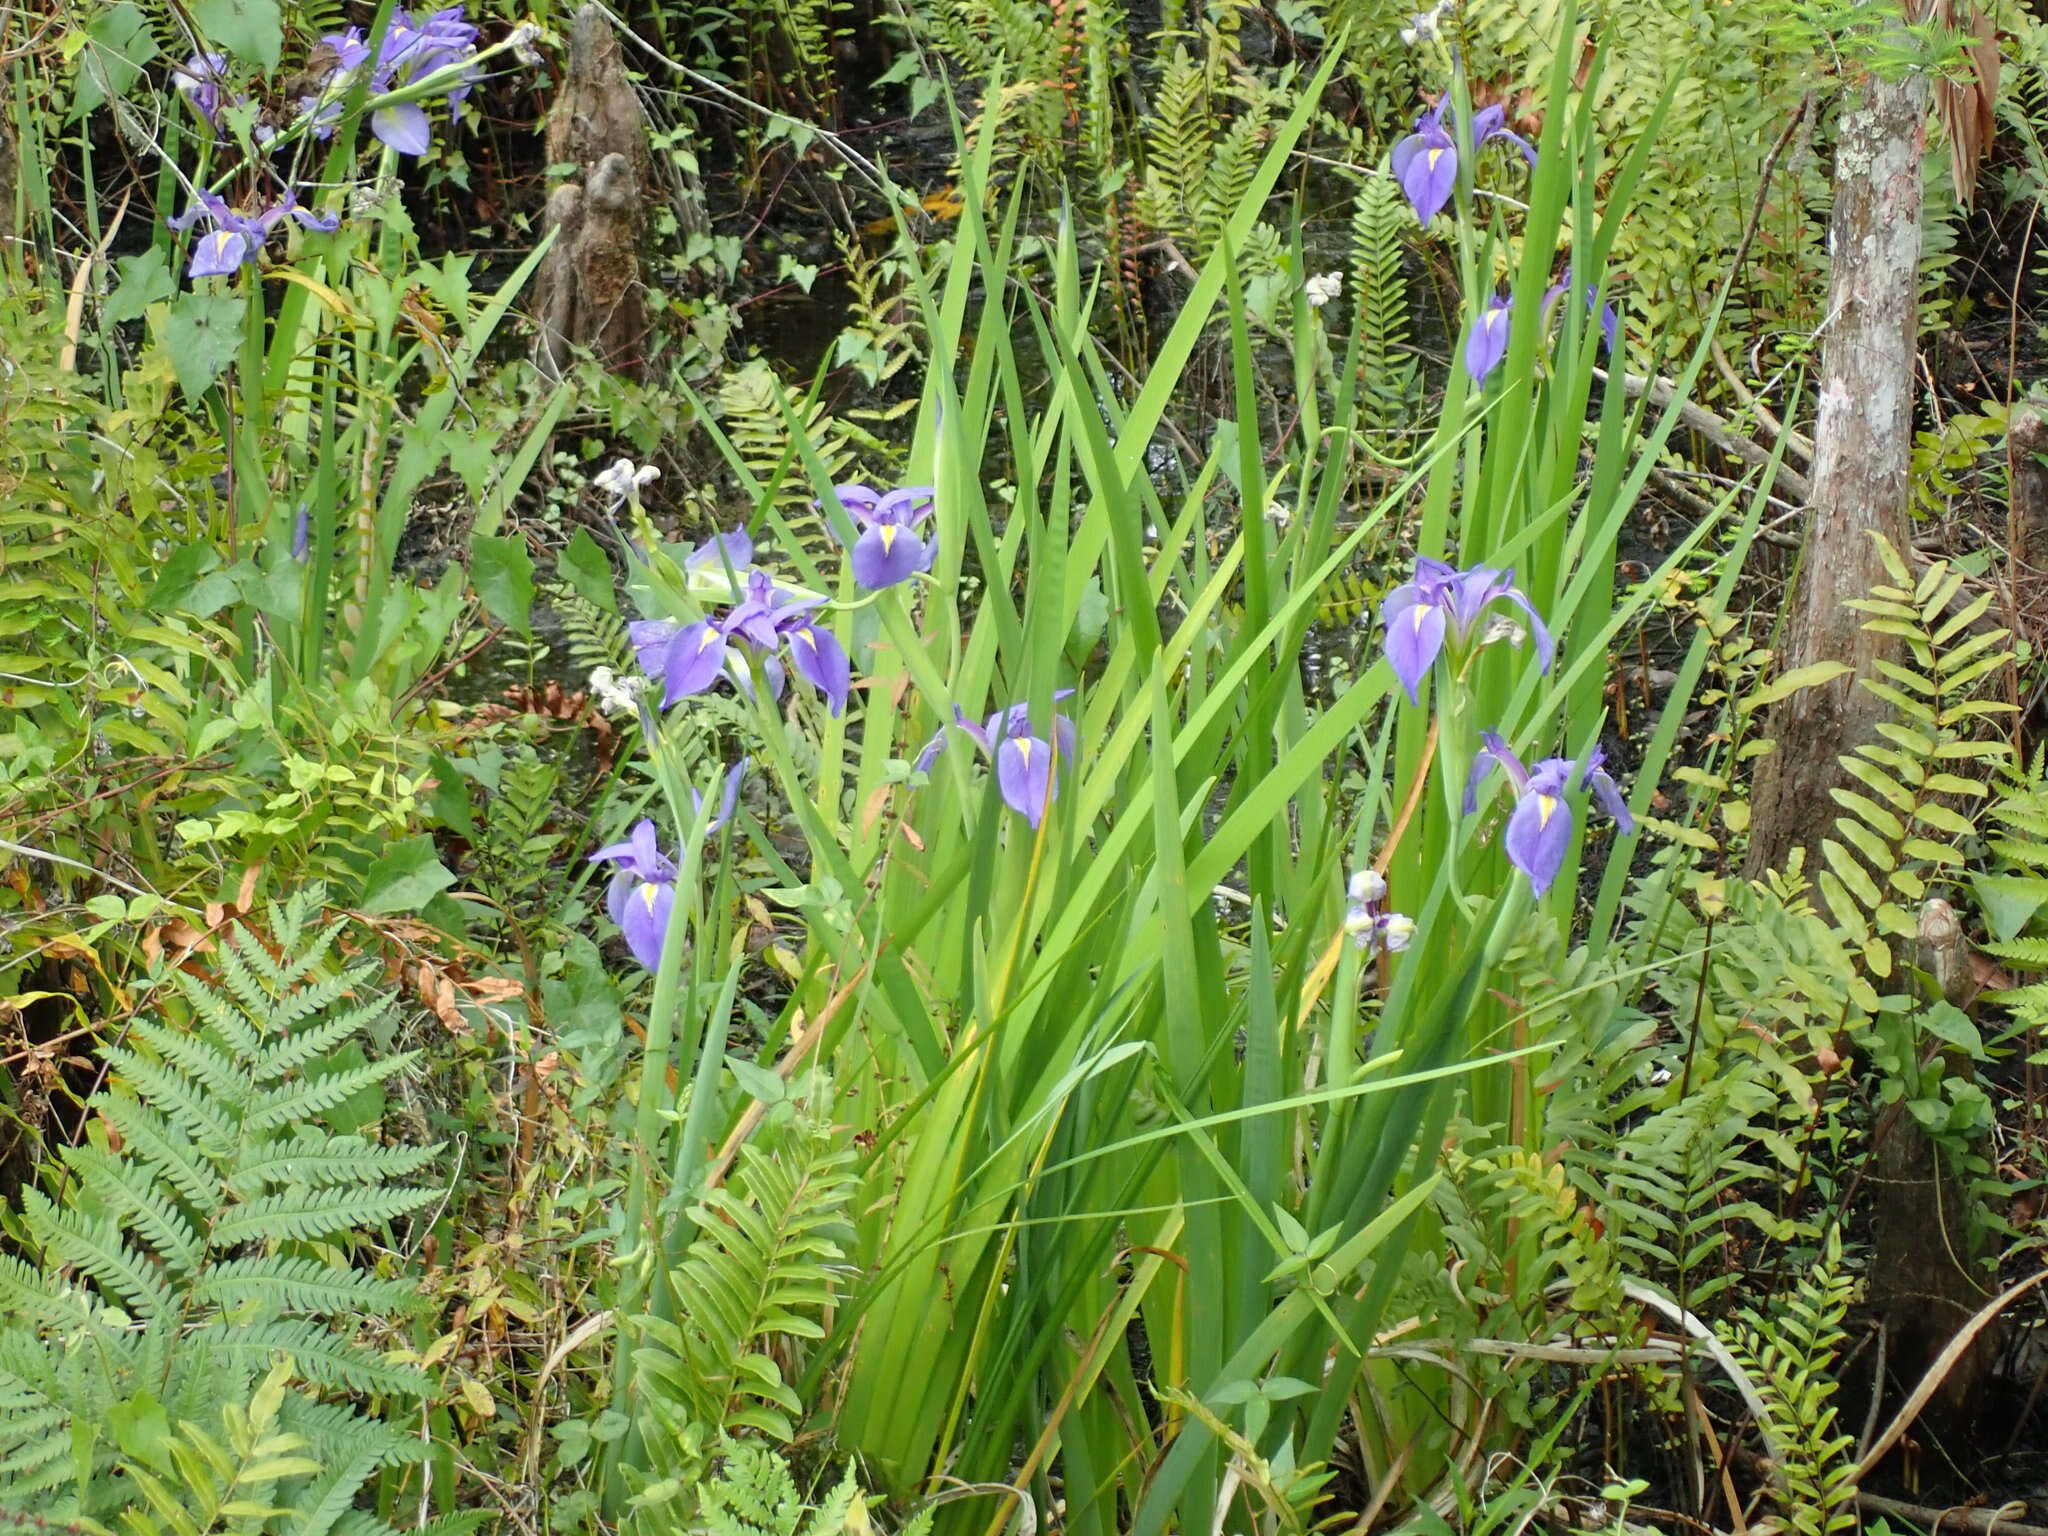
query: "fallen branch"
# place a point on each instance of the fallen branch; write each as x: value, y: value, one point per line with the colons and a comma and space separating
x: 1715, y: 429
x: 1989, y: 1522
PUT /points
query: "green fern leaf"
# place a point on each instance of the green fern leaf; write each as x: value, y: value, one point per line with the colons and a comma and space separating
x: 304, y: 1217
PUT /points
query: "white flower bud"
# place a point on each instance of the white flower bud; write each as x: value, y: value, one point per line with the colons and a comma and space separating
x: 624, y: 480
x: 1501, y: 627
x: 1322, y: 288
x: 616, y: 695
x: 1367, y: 885
x: 1396, y: 932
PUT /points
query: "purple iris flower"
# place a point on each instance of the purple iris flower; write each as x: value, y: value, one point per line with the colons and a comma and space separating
x: 1443, y: 605
x: 889, y: 549
x: 688, y: 658
x: 414, y: 47
x: 1610, y: 323
x: 1426, y: 162
x: 1024, y: 761
x: 198, y: 80
x: 643, y: 892
x: 1540, y: 827
x: 643, y: 888
x: 1488, y: 343
x: 235, y: 238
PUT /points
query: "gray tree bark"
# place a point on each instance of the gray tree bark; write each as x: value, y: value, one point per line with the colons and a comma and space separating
x: 1863, y: 444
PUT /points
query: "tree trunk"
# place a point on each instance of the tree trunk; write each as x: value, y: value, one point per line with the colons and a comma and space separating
x: 1863, y: 444
x: 588, y: 289
x: 1922, y: 1282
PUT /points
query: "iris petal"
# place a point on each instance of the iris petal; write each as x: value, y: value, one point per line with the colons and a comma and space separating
x: 886, y: 554
x: 822, y: 662
x: 1024, y: 775
x: 1415, y: 635
x: 1538, y: 836
x: 695, y: 657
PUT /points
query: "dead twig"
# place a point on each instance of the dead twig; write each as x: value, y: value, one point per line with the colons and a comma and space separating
x: 1990, y: 1522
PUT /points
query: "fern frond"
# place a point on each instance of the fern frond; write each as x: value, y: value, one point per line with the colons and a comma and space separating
x: 129, y: 1192
x: 173, y: 1095
x: 170, y: 1153
x: 93, y: 1245
x: 304, y: 1217
x: 206, y: 1069
x: 31, y: 1292
x: 760, y: 1267
x: 220, y: 1161
x: 301, y: 1285
x: 322, y: 1358
x: 318, y: 1159
x: 311, y: 1096
x: 316, y: 994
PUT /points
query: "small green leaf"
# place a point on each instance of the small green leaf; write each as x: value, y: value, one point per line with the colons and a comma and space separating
x: 252, y: 30
x: 201, y: 335
x: 1789, y: 683
x: 406, y: 878
x: 117, y: 44
x: 145, y: 279
x: 502, y: 572
x: 757, y: 1082
x: 587, y: 569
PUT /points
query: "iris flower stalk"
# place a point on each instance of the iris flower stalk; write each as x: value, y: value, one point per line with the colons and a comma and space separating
x: 651, y: 1135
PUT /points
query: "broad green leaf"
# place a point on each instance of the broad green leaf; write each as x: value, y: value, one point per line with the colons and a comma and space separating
x: 145, y: 279
x: 2009, y: 901
x: 502, y: 572
x: 192, y: 581
x: 1789, y: 683
x: 406, y: 878
x: 201, y: 335
x: 588, y: 570
x: 117, y: 44
x: 251, y: 30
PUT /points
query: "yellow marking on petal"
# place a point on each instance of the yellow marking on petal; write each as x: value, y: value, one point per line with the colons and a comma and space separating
x: 1434, y: 156
x: 647, y: 894
x: 1024, y: 749
x: 888, y: 532
x: 711, y: 638
x: 808, y: 638
x: 1421, y: 611
x: 1546, y: 807
x: 221, y: 240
